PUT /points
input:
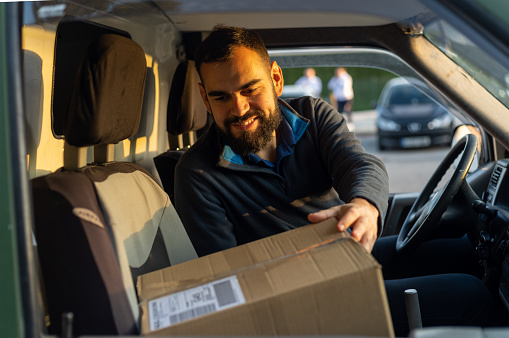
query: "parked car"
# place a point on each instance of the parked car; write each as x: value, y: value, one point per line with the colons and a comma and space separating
x: 408, y: 118
x: 460, y: 49
x: 293, y: 91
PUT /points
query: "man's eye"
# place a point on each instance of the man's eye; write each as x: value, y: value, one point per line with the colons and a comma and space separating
x: 220, y: 98
x: 249, y: 91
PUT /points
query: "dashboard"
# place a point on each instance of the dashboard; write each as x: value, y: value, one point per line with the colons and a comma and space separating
x: 493, y: 230
x: 499, y: 182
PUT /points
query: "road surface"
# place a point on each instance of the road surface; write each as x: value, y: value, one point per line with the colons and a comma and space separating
x: 409, y: 169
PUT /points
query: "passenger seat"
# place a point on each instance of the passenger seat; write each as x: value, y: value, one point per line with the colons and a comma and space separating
x: 99, y: 226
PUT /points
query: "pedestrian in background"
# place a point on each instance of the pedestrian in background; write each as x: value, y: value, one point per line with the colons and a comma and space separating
x: 311, y: 81
x: 341, y: 87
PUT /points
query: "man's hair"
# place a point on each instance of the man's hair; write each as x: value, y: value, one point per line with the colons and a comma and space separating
x: 222, y: 41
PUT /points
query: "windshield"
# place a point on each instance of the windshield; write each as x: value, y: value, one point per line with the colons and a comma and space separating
x: 481, y: 66
x: 408, y: 95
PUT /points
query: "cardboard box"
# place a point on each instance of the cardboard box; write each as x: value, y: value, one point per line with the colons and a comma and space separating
x: 308, y: 281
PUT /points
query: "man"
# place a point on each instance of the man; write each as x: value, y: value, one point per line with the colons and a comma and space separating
x: 341, y: 86
x: 267, y: 166
x: 311, y: 81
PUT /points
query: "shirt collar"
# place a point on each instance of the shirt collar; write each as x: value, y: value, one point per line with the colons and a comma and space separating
x: 291, y: 129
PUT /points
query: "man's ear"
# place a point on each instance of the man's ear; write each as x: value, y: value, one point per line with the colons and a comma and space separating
x: 204, y: 97
x: 277, y: 77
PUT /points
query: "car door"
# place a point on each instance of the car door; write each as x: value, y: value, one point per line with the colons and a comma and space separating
x: 16, y: 293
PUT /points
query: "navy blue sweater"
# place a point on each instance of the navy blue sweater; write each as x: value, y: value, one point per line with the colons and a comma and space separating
x: 224, y: 200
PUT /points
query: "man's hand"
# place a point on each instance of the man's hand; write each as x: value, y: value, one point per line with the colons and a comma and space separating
x: 359, y: 214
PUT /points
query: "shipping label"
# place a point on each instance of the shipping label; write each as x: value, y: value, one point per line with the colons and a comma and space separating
x: 195, y: 302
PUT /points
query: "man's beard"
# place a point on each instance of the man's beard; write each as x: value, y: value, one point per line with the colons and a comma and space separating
x: 249, y: 141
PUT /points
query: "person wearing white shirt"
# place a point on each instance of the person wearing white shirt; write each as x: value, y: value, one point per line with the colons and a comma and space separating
x: 311, y: 81
x: 341, y: 87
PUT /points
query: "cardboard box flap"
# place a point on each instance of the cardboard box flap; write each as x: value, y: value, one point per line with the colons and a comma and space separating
x: 223, y: 262
x: 302, y: 269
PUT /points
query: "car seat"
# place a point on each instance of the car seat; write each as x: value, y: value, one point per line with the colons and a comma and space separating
x: 99, y: 226
x: 187, y: 119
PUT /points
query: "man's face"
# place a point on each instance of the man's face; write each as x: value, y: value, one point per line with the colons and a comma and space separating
x: 242, y: 96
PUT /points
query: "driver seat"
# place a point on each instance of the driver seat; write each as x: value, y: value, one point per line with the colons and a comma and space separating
x: 187, y: 119
x: 99, y: 226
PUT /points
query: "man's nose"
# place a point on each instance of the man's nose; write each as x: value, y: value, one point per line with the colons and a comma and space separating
x: 240, y: 105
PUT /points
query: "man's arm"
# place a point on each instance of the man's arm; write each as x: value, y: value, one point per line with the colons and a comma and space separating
x: 360, y: 178
x: 359, y: 214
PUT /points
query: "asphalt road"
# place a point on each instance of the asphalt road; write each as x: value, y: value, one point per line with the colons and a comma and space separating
x: 409, y: 169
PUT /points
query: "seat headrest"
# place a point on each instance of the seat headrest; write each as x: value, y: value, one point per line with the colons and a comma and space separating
x: 186, y: 111
x: 107, y: 97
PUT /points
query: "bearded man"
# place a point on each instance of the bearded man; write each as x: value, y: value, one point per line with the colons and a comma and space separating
x: 267, y: 165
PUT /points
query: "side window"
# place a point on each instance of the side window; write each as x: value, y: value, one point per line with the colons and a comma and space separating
x: 395, y: 120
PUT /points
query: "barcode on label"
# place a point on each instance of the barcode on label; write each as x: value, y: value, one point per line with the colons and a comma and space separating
x: 155, y: 313
x: 224, y: 293
x: 192, y: 313
x: 194, y: 302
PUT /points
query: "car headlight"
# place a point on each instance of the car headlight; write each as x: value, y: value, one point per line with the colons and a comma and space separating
x: 388, y: 125
x: 443, y: 121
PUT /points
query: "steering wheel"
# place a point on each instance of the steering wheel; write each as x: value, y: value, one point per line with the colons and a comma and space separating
x: 430, y: 205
